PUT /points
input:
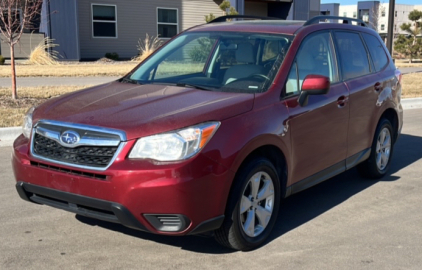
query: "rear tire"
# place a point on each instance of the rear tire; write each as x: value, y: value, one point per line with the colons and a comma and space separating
x: 378, y: 163
x: 252, y: 207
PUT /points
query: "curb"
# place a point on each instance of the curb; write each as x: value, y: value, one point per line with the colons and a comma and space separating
x: 411, y: 103
x: 9, y: 134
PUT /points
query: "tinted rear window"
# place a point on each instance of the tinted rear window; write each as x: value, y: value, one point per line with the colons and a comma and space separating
x: 354, y: 60
x: 377, y: 52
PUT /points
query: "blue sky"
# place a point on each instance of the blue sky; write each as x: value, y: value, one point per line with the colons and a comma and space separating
x: 354, y: 2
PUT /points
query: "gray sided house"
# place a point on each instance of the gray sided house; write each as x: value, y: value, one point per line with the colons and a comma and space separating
x: 29, y: 39
x: 88, y: 29
x: 331, y: 9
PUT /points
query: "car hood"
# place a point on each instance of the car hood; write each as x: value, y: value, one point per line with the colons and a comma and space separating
x: 142, y: 110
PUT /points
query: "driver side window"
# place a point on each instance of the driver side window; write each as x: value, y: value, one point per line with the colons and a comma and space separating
x: 315, y: 56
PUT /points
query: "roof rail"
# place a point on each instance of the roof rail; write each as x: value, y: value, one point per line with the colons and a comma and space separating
x: 346, y: 20
x: 224, y: 18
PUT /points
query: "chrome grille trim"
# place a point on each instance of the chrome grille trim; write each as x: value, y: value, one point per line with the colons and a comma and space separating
x: 85, y: 141
x: 117, y: 132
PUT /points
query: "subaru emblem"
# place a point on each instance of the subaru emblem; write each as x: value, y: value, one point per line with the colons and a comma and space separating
x: 69, y: 137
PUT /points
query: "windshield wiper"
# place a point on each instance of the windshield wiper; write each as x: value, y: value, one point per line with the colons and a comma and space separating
x: 129, y: 80
x: 200, y: 87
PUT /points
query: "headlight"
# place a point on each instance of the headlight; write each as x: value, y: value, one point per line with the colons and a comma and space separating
x: 177, y: 145
x: 27, y: 123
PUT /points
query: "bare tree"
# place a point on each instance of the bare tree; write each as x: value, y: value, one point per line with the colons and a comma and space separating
x: 15, y: 16
x: 377, y: 11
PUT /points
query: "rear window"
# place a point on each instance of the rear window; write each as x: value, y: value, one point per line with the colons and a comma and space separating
x: 354, y: 60
x: 377, y: 52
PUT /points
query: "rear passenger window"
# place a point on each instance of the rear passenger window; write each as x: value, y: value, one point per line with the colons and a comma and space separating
x: 377, y: 52
x: 315, y: 57
x: 353, y: 56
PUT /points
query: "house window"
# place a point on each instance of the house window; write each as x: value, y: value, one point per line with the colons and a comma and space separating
x: 344, y: 14
x: 395, y: 13
x: 104, y: 21
x: 382, y: 27
x: 354, y: 14
x: 167, y: 22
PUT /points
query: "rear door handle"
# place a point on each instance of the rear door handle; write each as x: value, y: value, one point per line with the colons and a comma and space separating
x: 341, y: 101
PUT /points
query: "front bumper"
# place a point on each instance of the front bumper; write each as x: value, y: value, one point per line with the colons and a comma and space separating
x: 85, y: 206
x: 133, y: 193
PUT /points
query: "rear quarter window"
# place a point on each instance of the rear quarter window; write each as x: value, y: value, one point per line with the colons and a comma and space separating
x: 377, y: 52
x: 353, y: 55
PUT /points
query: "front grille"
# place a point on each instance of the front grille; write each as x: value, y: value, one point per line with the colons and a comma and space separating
x: 67, y: 171
x: 92, y: 156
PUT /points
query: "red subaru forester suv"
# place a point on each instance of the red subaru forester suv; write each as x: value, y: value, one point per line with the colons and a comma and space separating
x: 216, y: 127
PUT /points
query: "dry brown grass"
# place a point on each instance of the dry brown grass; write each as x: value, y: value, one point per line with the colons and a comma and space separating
x: 146, y: 47
x: 11, y: 117
x: 12, y: 111
x: 70, y: 70
x: 412, y: 85
x: 39, y: 55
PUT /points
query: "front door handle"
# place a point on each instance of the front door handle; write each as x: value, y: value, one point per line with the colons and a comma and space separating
x: 341, y: 101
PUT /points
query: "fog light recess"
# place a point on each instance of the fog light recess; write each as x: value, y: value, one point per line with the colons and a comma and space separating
x: 168, y: 222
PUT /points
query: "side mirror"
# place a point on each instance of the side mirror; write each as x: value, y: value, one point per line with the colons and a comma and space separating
x: 313, y: 85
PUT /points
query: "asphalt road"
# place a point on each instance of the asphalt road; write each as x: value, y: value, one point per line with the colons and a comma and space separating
x: 344, y: 223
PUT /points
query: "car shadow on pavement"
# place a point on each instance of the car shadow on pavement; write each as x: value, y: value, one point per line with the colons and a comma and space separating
x: 295, y: 210
x: 309, y: 204
x: 200, y: 244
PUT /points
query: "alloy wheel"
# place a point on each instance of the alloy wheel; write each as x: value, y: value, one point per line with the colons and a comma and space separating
x: 257, y: 204
x: 383, y: 148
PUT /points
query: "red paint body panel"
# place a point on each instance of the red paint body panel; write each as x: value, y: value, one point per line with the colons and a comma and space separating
x: 319, y: 132
x: 315, y: 82
x: 310, y: 138
x: 142, y: 110
x: 197, y: 188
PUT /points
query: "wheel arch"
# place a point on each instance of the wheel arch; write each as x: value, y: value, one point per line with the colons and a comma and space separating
x: 274, y: 154
x: 393, y: 117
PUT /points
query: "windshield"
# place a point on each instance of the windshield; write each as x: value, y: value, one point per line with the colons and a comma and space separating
x: 216, y: 61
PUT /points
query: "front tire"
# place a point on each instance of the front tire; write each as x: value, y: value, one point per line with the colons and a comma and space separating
x: 376, y: 166
x: 252, y: 207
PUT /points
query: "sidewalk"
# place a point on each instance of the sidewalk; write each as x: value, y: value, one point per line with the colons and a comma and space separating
x: 407, y: 70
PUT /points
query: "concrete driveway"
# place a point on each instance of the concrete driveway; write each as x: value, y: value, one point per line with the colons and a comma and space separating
x: 344, y: 223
